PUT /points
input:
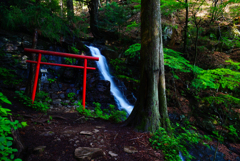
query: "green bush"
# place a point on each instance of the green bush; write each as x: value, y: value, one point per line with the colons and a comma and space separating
x: 107, y: 114
x: 9, y: 76
x: 6, y: 151
x: 41, y: 102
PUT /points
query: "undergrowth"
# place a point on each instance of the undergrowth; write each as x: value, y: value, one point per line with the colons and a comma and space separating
x: 6, y: 126
x: 41, y: 103
x: 181, y: 138
x: 107, y: 114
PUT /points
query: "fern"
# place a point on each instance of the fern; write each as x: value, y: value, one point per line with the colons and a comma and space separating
x: 133, y: 51
x: 216, y: 78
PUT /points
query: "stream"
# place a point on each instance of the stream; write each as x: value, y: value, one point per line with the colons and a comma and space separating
x: 102, y: 65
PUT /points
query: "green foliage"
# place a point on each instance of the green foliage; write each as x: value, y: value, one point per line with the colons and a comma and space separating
x: 172, y: 59
x: 43, y: 59
x: 133, y: 51
x: 133, y: 25
x: 71, y: 95
x: 72, y: 60
x: 44, y: 17
x: 9, y: 76
x: 107, y: 114
x: 114, y: 17
x: 50, y: 80
x: 6, y: 151
x: 74, y: 50
x: 170, y: 6
x: 41, y: 102
x: 120, y: 67
x: 217, y: 78
x: 128, y: 78
x: 181, y: 138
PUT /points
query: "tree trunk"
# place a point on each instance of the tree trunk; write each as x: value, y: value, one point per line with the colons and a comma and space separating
x: 186, y: 28
x: 31, y: 76
x: 93, y: 11
x: 61, y: 4
x: 145, y: 115
x: 70, y: 10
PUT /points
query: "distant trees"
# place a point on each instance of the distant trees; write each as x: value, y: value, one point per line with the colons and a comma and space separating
x: 150, y: 111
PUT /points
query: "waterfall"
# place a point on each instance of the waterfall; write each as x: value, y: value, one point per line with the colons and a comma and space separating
x: 104, y: 70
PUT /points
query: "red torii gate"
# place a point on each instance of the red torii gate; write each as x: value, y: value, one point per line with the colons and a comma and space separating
x: 38, y: 62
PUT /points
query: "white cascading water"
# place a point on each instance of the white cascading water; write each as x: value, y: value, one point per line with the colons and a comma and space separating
x: 104, y: 70
x: 120, y: 99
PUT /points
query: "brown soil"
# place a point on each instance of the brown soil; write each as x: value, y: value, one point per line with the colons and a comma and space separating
x: 64, y: 136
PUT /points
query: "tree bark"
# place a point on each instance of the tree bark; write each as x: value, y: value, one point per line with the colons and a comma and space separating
x: 186, y: 28
x: 70, y: 10
x: 145, y: 115
x: 93, y: 11
x: 32, y: 56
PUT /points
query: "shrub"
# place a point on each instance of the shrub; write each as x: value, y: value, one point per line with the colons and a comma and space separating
x: 6, y: 151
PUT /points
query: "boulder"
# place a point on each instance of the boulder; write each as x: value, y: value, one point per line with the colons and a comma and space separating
x: 92, y: 80
x: 109, y: 53
x: 86, y: 153
x: 103, y: 86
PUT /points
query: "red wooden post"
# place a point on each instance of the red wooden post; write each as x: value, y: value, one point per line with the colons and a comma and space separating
x: 84, y: 82
x: 36, y: 77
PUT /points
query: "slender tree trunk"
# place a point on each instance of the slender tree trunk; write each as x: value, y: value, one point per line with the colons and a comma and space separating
x: 196, y: 40
x: 93, y: 11
x: 31, y: 76
x: 186, y: 28
x: 61, y: 4
x: 70, y: 10
x: 145, y: 115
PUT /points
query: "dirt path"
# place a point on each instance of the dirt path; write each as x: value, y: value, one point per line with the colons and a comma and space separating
x: 59, y: 134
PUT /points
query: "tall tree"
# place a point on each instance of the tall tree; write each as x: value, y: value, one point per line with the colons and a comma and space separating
x: 32, y: 56
x: 185, y: 28
x: 93, y: 11
x: 150, y: 111
x: 70, y: 10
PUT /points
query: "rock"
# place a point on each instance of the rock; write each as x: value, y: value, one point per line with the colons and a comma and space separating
x: 66, y: 101
x: 102, y: 141
x: 130, y: 149
x: 86, y: 153
x: 54, y: 87
x: 54, y: 96
x: 56, y: 102
x: 104, y: 86
x: 22, y: 89
x: 69, y: 75
x: 86, y: 133
x: 49, y: 133
x: 69, y: 132
x: 69, y: 90
x: 62, y: 96
x: 109, y: 53
x: 95, y: 130
x: 92, y: 79
x: 112, y: 154
x: 39, y: 149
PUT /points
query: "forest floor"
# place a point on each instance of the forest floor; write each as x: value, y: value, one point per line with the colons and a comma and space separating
x: 60, y: 136
x: 57, y: 134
